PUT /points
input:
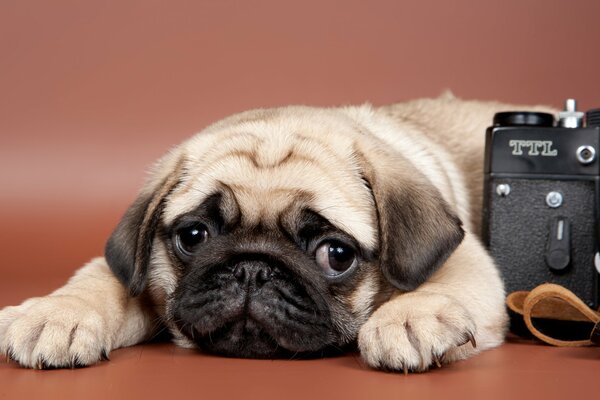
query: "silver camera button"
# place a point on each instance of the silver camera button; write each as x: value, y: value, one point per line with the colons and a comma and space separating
x: 586, y: 154
x: 554, y: 199
x: 503, y: 190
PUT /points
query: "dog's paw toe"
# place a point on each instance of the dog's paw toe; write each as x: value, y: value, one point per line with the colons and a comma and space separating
x: 415, y: 331
x: 53, y: 332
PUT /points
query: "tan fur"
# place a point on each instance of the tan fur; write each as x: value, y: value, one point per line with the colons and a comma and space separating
x: 78, y: 323
x: 272, y: 161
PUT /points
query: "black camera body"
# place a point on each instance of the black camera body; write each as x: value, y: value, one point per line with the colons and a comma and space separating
x: 542, y: 200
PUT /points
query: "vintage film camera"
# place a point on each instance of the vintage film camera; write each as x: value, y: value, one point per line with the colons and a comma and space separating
x: 542, y: 200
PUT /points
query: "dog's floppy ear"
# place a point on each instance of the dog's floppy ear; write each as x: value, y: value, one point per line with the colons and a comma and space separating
x: 129, y: 248
x: 418, y: 229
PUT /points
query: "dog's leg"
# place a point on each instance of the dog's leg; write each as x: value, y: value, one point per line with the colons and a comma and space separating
x: 456, y: 313
x: 76, y: 325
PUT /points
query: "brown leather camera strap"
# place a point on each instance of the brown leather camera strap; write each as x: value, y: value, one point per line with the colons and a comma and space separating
x: 554, y: 302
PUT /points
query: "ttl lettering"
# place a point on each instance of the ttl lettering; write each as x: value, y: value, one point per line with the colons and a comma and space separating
x: 533, y: 147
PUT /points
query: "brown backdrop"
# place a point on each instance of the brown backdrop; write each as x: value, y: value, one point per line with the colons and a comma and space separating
x: 92, y: 92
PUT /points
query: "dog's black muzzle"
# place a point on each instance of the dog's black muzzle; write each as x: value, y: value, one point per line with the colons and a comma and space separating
x: 255, y: 304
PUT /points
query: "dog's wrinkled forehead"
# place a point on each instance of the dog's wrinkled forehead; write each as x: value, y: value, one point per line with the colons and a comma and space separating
x: 273, y: 160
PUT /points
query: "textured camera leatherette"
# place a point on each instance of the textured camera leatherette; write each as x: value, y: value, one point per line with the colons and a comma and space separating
x: 520, y: 225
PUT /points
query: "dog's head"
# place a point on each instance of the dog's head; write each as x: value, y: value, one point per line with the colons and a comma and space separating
x: 280, y: 231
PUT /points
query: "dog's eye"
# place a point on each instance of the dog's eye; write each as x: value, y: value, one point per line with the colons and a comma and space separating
x: 335, y: 257
x: 189, y: 237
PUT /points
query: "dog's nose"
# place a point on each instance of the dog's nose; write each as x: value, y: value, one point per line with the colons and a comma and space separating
x: 252, y: 272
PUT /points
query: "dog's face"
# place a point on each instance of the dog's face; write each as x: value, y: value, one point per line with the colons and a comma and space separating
x: 277, y: 232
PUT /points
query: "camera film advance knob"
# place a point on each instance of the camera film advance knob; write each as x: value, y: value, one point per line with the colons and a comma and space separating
x: 592, y: 118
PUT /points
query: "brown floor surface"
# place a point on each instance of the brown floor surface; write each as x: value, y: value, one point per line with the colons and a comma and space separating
x: 162, y: 370
x: 517, y: 369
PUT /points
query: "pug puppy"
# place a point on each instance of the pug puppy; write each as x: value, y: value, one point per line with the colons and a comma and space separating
x: 290, y: 231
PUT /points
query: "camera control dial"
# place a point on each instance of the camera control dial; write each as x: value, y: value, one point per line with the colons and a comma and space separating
x: 523, y: 118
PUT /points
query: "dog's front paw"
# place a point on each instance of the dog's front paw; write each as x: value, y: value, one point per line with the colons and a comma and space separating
x: 53, y: 332
x: 414, y: 331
